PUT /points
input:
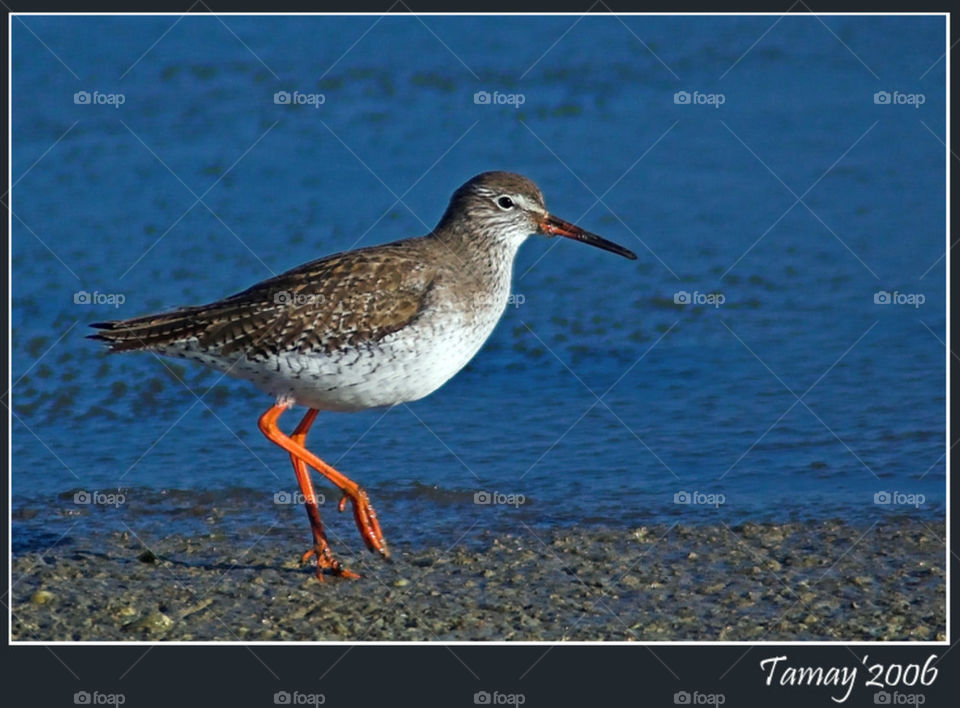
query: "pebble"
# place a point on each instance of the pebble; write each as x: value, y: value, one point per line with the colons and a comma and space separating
x: 153, y: 623
x: 42, y: 597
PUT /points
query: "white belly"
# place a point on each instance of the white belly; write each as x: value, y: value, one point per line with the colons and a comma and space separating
x: 404, y: 366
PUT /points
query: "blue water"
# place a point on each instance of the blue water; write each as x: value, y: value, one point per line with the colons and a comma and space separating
x: 692, y: 398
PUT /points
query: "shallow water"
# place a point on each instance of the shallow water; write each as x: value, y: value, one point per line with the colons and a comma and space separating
x: 598, y: 399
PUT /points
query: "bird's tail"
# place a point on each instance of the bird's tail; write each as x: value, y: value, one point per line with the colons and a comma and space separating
x: 147, y: 333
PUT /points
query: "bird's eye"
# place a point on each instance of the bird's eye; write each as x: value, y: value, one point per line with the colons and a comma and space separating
x: 505, y: 203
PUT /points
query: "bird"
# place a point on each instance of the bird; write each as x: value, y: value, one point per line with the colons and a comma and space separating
x: 366, y: 328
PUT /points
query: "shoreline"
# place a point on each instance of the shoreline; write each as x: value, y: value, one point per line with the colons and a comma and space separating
x: 824, y: 580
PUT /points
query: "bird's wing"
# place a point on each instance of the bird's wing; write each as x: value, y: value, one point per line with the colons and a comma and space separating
x: 348, y: 299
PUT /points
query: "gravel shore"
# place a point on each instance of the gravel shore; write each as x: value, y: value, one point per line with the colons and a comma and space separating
x: 795, y: 581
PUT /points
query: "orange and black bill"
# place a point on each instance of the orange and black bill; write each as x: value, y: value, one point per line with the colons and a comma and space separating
x: 553, y: 226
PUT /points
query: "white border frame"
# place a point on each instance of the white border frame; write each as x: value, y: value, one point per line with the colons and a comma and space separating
x: 293, y: 643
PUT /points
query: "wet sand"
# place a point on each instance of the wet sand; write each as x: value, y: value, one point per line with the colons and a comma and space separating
x: 794, y: 581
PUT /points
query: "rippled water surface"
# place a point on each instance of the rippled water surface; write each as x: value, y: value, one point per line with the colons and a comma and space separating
x: 787, y: 393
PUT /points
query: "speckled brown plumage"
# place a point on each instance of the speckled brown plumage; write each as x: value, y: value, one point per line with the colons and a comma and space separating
x: 339, y: 301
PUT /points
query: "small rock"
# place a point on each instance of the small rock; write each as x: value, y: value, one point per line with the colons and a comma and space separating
x: 42, y: 597
x: 147, y: 556
x: 400, y: 582
x: 154, y: 623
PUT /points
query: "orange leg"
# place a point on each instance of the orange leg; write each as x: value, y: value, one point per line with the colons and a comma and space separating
x: 363, y: 513
x: 321, y: 549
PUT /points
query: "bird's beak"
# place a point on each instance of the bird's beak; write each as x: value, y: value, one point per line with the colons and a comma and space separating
x: 552, y: 226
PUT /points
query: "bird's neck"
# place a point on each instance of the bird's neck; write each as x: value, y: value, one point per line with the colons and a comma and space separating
x: 488, y: 255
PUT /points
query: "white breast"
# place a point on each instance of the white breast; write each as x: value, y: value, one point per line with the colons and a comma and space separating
x: 404, y: 366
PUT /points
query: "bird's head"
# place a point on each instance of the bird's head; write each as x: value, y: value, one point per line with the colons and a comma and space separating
x: 509, y: 207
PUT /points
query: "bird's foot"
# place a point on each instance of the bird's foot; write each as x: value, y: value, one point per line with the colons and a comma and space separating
x: 326, y: 563
x: 366, y: 519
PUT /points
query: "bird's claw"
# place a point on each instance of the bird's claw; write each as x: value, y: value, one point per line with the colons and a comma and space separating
x: 326, y: 562
x: 366, y: 519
